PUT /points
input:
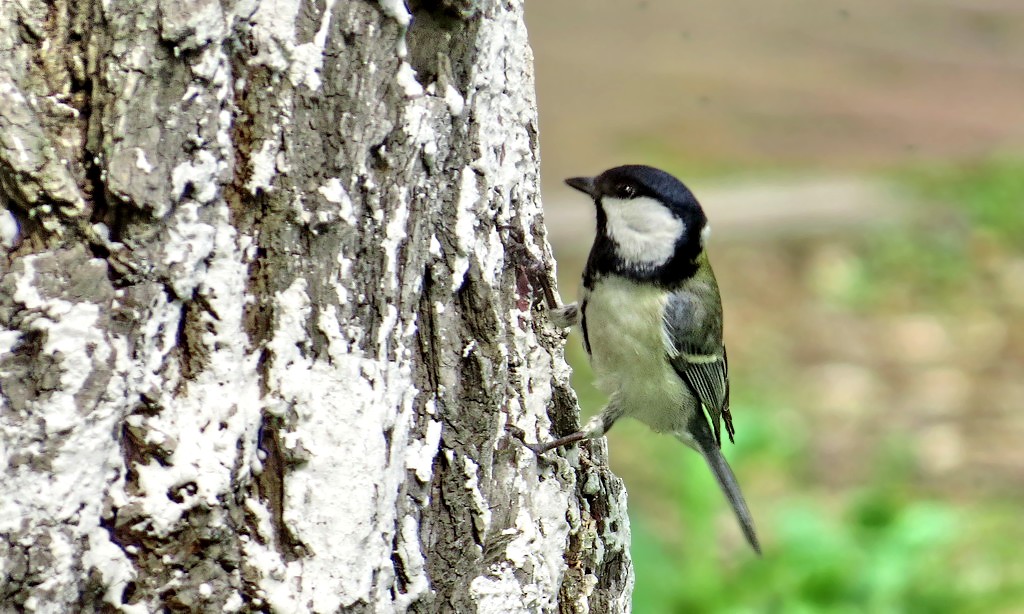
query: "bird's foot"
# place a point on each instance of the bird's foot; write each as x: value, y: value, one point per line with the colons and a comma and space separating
x: 565, y: 316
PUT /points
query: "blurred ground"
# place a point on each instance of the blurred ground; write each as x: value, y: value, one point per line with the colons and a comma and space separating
x: 862, y: 165
x: 798, y: 82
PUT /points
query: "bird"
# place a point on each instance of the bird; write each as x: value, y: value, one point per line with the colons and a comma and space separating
x: 651, y: 317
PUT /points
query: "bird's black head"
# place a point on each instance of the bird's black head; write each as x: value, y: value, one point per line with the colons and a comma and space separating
x: 649, y: 225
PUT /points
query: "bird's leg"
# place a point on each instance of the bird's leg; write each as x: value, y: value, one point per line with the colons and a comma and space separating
x: 541, y: 448
x: 565, y: 316
x: 595, y: 427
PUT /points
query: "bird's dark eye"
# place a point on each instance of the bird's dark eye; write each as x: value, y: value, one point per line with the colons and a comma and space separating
x: 624, y: 190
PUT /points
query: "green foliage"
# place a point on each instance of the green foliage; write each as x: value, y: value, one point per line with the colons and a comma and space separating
x: 877, y: 549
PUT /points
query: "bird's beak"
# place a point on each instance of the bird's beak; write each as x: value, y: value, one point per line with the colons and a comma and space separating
x: 583, y: 184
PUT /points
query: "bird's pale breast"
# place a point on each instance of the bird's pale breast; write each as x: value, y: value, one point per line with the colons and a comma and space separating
x: 624, y: 326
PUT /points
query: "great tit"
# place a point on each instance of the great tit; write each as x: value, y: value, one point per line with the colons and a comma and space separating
x: 651, y: 317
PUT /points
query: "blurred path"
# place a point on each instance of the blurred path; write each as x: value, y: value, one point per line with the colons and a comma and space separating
x: 749, y: 209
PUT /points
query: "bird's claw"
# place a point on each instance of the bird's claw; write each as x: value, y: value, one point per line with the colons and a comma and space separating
x: 520, y: 435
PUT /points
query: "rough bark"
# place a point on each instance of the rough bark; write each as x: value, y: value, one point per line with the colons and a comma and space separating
x: 271, y: 296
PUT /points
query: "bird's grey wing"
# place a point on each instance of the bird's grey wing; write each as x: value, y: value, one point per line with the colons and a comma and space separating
x: 693, y: 344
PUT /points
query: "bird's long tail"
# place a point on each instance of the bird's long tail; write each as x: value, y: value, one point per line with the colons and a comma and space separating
x: 707, y: 446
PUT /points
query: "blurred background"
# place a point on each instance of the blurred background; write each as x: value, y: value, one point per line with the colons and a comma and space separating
x: 862, y: 164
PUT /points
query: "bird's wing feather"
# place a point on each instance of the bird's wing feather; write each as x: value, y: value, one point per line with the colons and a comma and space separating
x: 693, y: 344
x: 709, y: 382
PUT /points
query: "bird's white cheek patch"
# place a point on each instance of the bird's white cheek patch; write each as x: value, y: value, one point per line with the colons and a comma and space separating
x: 644, y: 231
x: 704, y: 234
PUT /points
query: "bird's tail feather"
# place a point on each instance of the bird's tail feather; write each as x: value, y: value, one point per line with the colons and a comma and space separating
x: 726, y: 479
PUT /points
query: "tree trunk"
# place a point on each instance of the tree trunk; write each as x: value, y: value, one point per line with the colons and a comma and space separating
x: 271, y: 298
